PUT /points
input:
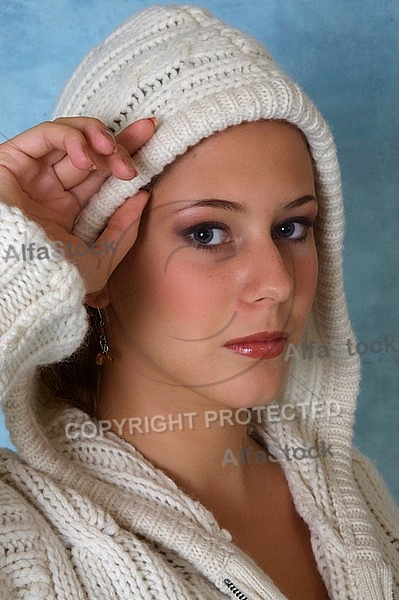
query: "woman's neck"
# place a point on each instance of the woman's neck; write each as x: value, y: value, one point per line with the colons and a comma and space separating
x: 198, y: 444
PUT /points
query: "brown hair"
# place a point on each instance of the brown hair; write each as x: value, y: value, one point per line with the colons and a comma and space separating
x: 74, y: 381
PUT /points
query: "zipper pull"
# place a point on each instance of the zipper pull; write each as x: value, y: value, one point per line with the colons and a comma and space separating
x: 234, y: 589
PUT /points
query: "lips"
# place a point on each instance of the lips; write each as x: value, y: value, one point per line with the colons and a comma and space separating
x: 264, y: 344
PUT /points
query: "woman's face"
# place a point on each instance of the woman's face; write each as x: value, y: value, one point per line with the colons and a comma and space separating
x: 226, y: 250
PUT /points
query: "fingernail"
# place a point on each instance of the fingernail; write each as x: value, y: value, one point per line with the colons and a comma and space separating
x: 155, y: 121
x: 109, y: 136
x: 128, y: 162
x: 91, y: 166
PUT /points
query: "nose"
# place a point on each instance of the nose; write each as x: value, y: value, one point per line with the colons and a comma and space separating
x: 269, y: 276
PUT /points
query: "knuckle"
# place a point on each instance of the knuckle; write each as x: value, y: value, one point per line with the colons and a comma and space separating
x: 100, y: 124
x: 48, y: 124
x: 47, y: 127
x: 7, y: 156
x: 58, y: 120
x: 4, y: 158
x: 78, y: 122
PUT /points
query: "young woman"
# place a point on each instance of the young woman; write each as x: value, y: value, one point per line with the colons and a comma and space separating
x: 169, y: 243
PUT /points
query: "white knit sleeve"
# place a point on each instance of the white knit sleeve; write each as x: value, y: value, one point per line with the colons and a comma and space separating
x: 42, y: 315
x: 383, y: 509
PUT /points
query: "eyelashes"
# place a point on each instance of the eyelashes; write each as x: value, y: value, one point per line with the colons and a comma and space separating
x: 203, y: 237
x: 213, y: 236
x: 287, y: 227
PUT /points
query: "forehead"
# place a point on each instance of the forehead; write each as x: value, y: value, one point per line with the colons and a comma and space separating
x: 267, y: 131
x: 257, y: 157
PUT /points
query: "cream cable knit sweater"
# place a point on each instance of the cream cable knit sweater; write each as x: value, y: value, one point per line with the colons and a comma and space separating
x: 92, y: 519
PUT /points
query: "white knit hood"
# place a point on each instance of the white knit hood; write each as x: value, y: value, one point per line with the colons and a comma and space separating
x: 198, y: 76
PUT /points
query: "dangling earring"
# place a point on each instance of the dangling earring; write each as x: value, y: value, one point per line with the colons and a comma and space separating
x: 104, y: 355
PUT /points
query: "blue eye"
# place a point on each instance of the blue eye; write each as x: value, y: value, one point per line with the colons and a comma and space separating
x: 207, y: 236
x: 295, y: 229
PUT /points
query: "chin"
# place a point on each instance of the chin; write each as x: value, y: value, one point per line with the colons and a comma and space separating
x: 244, y: 391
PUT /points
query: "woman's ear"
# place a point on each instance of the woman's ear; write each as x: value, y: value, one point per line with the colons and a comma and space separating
x: 98, y: 299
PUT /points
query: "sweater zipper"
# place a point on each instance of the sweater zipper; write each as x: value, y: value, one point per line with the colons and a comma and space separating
x: 234, y: 589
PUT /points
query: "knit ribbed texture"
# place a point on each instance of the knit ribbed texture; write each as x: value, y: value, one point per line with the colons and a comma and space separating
x: 92, y: 518
x: 197, y: 76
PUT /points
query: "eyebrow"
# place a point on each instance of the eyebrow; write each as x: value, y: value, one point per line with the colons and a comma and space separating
x: 238, y: 207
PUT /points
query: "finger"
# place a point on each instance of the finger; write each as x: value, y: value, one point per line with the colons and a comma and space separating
x: 90, y: 185
x: 10, y: 190
x: 107, y: 155
x: 47, y: 140
x: 71, y: 143
x: 137, y: 134
x: 118, y: 164
x: 122, y: 228
x: 117, y: 239
x: 98, y: 137
x: 102, y: 140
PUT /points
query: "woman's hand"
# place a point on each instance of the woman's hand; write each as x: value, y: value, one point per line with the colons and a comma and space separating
x: 51, y: 171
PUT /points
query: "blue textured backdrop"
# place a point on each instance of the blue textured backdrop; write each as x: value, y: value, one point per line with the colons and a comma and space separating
x: 346, y: 56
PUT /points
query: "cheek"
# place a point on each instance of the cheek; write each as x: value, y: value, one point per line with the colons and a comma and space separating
x: 178, y: 292
x: 193, y: 294
x: 306, y: 276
